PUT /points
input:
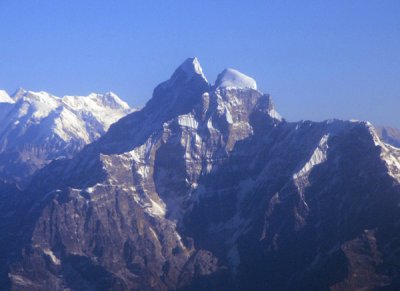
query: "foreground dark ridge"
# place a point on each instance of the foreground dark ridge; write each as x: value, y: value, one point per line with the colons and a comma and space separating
x: 207, y: 187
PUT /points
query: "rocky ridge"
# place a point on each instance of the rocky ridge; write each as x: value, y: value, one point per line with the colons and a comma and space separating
x: 208, y: 187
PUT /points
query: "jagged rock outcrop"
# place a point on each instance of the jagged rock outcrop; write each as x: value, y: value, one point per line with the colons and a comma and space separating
x: 208, y: 187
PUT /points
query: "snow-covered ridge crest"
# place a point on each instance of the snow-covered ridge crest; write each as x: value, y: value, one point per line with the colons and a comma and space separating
x: 318, y: 157
x: 5, y: 98
x: 108, y: 99
x: 191, y: 67
x: 230, y: 78
x: 70, y: 113
x: 38, y: 127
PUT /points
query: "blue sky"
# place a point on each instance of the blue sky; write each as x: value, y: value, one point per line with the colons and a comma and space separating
x: 318, y: 59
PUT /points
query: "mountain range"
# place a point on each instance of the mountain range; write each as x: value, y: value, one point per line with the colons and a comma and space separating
x: 37, y: 127
x: 206, y: 187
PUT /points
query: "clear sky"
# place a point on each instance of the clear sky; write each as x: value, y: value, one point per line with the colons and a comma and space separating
x: 318, y: 59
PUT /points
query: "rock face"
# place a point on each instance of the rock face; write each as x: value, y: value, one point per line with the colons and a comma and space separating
x: 207, y: 187
x: 37, y: 127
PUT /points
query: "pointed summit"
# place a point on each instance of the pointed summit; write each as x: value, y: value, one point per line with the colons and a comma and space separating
x: 230, y: 78
x: 112, y: 100
x: 5, y: 98
x: 189, y: 68
x: 192, y: 65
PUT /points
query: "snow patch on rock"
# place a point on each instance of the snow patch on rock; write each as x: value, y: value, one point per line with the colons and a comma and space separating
x: 188, y: 120
x: 52, y: 256
x: 389, y: 154
x: 318, y: 157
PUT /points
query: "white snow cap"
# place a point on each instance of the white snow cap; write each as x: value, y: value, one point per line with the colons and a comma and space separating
x: 81, y: 118
x: 230, y: 78
x: 192, y: 66
x: 109, y: 99
x: 5, y: 98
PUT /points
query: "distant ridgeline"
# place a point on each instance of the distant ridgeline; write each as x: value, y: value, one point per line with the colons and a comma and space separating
x: 37, y: 127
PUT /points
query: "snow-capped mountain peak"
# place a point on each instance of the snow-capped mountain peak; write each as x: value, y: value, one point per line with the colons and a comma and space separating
x: 189, y: 69
x: 43, y: 127
x: 214, y: 188
x: 5, y: 98
x: 231, y: 78
x: 112, y: 100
